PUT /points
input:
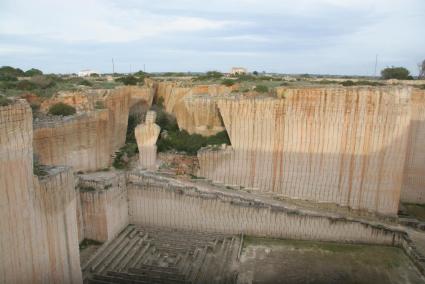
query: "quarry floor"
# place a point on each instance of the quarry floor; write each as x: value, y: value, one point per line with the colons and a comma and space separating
x: 285, y: 261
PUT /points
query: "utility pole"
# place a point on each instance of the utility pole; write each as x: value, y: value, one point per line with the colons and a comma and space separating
x: 144, y: 68
x: 376, y: 64
x: 113, y: 67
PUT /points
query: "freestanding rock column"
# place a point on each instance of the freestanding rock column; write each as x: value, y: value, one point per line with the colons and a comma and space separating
x: 146, y: 136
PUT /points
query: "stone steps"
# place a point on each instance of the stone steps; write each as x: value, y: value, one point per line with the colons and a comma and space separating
x: 163, y: 255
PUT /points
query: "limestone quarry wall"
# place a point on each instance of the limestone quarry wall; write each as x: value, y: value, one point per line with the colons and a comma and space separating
x: 140, y: 100
x: 83, y: 141
x: 414, y: 175
x: 194, y: 112
x: 55, y: 231
x: 342, y: 145
x: 104, y: 207
x: 38, y: 237
x: 160, y: 202
x: 118, y: 104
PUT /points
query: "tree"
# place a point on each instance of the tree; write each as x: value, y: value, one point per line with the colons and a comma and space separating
x: 399, y: 73
x: 61, y: 109
x: 421, y: 70
x: 33, y: 72
x: 255, y: 73
x: 10, y: 71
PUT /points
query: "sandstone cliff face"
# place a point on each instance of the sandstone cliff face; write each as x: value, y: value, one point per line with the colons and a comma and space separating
x: 87, y: 140
x: 158, y: 201
x: 104, y: 207
x: 414, y: 181
x: 39, y: 238
x: 146, y: 136
x: 344, y: 145
x: 83, y: 141
x: 194, y: 112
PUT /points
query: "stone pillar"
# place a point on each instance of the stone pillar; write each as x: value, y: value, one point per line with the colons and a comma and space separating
x: 146, y: 136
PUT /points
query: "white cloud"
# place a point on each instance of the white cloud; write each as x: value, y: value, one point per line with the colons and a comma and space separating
x: 98, y: 21
x: 8, y: 49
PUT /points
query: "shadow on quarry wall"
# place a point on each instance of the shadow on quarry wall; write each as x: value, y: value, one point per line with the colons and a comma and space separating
x: 369, y: 182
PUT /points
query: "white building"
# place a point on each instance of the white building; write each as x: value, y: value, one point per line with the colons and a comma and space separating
x: 86, y: 73
x: 238, y: 71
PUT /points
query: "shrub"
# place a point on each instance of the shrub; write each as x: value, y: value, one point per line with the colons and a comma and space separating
x: 4, y: 101
x: 228, y: 82
x: 8, y: 78
x: 122, y: 156
x: 190, y: 143
x: 128, y: 80
x: 99, y: 105
x: 43, y: 82
x: 26, y: 85
x: 261, y: 89
x: 10, y: 71
x: 33, y: 72
x: 61, y: 109
x: 399, y: 73
x: 38, y: 169
x: 348, y: 83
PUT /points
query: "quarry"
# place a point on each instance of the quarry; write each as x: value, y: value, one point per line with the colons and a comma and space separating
x: 190, y: 181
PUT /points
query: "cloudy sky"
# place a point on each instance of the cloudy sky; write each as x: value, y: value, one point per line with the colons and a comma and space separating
x: 287, y: 36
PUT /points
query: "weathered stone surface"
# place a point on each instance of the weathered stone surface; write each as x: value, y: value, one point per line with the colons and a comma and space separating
x: 164, y: 202
x: 83, y: 141
x: 414, y: 175
x: 344, y: 145
x: 38, y: 240
x: 146, y: 136
x: 87, y: 140
x: 104, y: 207
x: 194, y: 112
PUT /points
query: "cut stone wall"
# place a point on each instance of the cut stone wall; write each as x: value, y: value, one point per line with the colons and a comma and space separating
x: 194, y: 112
x: 335, y: 145
x: 55, y: 230
x: 159, y: 201
x: 104, y: 206
x: 81, y: 141
x: 146, y: 136
x: 414, y: 175
x: 38, y: 240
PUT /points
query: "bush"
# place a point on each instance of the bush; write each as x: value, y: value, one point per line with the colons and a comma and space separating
x: 348, y: 83
x: 33, y: 72
x: 26, y: 85
x: 228, y: 82
x: 122, y: 156
x: 10, y: 71
x: 399, y: 73
x: 8, y: 78
x: 99, y: 105
x: 261, y: 89
x: 43, y: 82
x: 61, y: 109
x: 4, y: 101
x: 190, y: 143
x: 128, y: 80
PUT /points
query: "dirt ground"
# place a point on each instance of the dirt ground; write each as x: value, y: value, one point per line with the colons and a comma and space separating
x: 281, y: 261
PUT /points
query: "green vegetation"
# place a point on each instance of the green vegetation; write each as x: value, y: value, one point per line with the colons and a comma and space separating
x: 210, y: 75
x: 190, y: 143
x: 228, y: 82
x: 361, y: 83
x: 261, y: 89
x: 4, y: 101
x: 61, y: 109
x: 86, y: 243
x: 33, y: 72
x: 99, y: 105
x: 128, y: 80
x: 38, y: 169
x: 130, y: 149
x: 122, y: 157
x: 399, y: 73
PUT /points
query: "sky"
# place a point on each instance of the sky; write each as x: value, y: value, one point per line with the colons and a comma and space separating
x: 340, y: 37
